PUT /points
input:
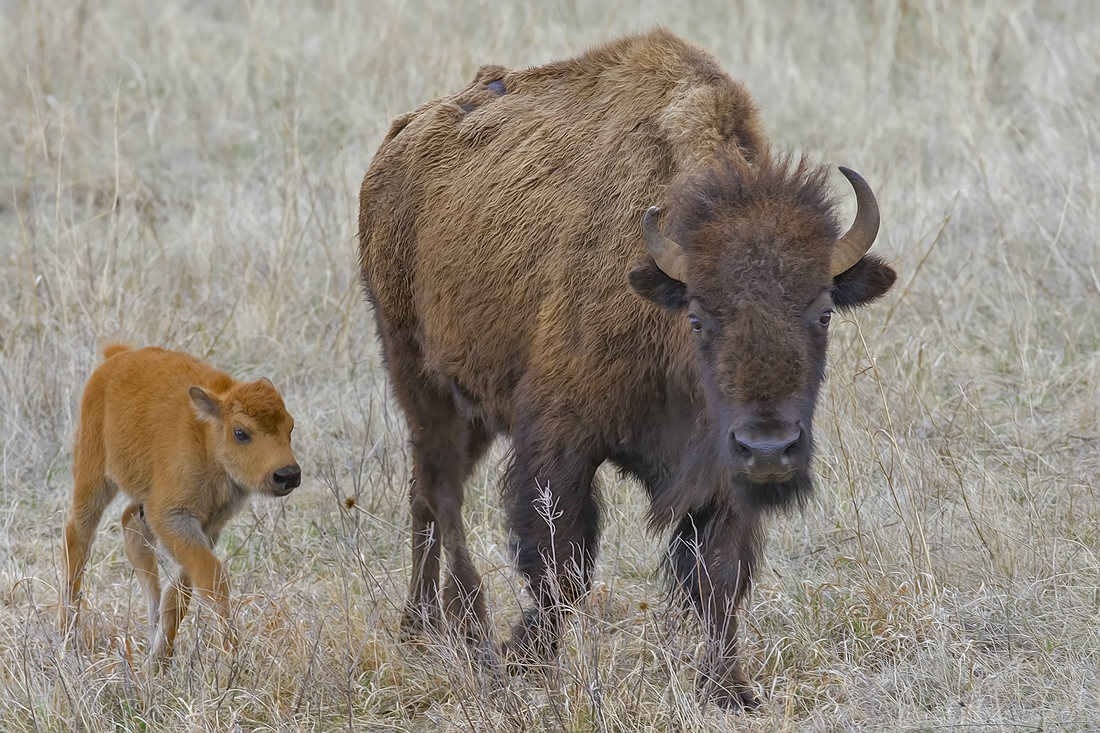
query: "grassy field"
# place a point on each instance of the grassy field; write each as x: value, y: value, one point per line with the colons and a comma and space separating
x: 186, y: 175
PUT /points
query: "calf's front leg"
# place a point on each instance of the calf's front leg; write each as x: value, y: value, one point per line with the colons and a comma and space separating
x: 183, y: 538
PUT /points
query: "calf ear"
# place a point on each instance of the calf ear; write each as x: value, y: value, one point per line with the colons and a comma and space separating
x: 650, y: 282
x: 206, y: 405
x: 864, y: 282
x: 266, y: 381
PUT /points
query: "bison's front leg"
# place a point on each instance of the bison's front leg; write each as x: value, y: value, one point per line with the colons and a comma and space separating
x: 713, y: 554
x: 554, y: 517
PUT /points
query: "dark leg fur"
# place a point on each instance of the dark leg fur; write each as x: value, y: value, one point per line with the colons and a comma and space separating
x: 713, y: 555
x: 446, y: 446
x: 556, y: 556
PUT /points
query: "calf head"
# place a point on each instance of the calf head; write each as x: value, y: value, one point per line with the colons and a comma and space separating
x: 250, y: 429
x: 756, y: 266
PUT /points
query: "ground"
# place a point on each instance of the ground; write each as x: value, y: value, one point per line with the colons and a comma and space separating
x: 186, y: 175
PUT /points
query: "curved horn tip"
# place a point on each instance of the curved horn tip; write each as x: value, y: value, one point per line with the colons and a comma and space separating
x: 851, y: 175
x: 859, y: 238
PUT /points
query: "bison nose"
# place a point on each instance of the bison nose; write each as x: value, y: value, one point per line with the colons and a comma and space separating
x: 288, y: 477
x: 767, y: 455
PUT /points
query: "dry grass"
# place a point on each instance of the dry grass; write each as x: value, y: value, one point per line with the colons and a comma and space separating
x: 186, y: 175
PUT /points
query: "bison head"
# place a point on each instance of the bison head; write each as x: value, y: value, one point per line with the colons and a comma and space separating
x: 250, y: 431
x: 756, y: 267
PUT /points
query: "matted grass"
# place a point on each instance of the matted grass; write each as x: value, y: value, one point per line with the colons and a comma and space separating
x: 186, y: 175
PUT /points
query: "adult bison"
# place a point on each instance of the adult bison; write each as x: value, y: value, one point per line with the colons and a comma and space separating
x: 521, y: 285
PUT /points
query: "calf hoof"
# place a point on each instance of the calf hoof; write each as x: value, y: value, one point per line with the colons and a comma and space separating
x: 230, y: 637
x: 157, y: 662
x: 68, y: 625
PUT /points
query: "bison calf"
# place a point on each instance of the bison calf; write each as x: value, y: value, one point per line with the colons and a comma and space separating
x: 187, y: 444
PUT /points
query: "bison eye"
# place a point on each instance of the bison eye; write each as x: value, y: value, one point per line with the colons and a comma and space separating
x: 694, y: 321
x: 241, y: 435
x: 825, y: 317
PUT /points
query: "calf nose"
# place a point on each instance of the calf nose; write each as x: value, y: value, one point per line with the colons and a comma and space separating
x: 288, y: 477
x: 767, y: 454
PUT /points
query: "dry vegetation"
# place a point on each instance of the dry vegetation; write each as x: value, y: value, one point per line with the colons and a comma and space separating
x: 186, y: 175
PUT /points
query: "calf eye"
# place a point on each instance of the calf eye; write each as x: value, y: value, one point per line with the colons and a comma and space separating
x: 825, y: 317
x: 694, y: 321
x: 241, y: 435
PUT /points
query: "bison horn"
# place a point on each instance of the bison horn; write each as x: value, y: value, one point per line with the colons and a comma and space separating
x: 668, y: 255
x: 853, y: 245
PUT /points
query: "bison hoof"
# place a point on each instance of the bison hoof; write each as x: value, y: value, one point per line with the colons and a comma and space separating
x: 420, y: 623
x: 731, y: 694
x: 534, y: 642
x: 742, y: 699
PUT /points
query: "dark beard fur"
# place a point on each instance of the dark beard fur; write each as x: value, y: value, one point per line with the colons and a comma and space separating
x: 775, y: 497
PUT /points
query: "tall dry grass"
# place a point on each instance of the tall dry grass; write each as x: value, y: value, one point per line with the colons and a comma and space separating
x: 185, y: 174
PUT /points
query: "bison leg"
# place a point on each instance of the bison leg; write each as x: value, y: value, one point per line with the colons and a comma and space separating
x: 554, y: 517
x: 173, y: 607
x: 92, y: 493
x: 139, y: 541
x: 713, y: 555
x: 446, y: 445
x: 444, y: 454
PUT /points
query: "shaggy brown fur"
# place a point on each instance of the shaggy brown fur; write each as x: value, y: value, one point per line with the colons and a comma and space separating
x: 501, y: 247
x: 188, y: 445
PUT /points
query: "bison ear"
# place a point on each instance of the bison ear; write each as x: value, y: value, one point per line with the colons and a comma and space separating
x: 650, y: 282
x: 206, y: 405
x: 865, y: 281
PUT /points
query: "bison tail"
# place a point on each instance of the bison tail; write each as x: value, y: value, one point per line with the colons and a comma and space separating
x: 115, y: 348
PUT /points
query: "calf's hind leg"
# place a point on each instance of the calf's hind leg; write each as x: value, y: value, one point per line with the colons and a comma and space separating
x: 92, y: 493
x: 139, y: 541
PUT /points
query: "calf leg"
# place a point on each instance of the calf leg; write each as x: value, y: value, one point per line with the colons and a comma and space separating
x: 554, y: 517
x: 92, y: 493
x: 713, y: 555
x: 182, y: 537
x: 173, y: 607
x: 139, y: 541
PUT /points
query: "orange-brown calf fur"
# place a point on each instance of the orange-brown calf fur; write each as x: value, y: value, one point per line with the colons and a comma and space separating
x: 187, y: 444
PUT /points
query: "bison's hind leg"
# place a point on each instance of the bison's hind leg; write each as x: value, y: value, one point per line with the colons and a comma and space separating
x: 92, y: 493
x: 446, y: 442
x: 139, y: 541
x: 443, y: 457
